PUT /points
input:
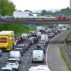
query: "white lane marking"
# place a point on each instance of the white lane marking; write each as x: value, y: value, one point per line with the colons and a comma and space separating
x: 47, y: 55
x: 23, y: 66
x: 25, y: 62
x: 27, y: 57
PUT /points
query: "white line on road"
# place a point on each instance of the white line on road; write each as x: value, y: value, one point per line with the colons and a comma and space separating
x: 46, y: 55
x: 27, y: 57
x: 25, y: 62
x: 23, y: 66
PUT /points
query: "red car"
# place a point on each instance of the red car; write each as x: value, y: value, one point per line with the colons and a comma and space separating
x: 62, y: 18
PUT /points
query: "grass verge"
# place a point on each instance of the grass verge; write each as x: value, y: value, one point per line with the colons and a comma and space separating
x: 65, y: 59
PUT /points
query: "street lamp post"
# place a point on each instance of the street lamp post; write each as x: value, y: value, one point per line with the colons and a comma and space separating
x: 70, y: 9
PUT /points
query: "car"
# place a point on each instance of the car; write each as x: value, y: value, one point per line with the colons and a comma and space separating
x: 44, y: 37
x: 12, y: 63
x: 50, y: 34
x: 7, y: 68
x: 37, y: 55
x: 24, y: 36
x: 31, y: 40
x: 0, y: 53
x: 16, y: 55
x: 40, y: 47
x: 20, y: 48
x: 42, y: 42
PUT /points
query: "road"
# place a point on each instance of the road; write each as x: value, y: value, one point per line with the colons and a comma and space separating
x: 52, y: 57
x: 26, y: 60
x: 55, y: 61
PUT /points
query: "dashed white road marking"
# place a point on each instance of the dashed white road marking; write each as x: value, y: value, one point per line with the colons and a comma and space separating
x: 23, y: 66
x: 27, y: 57
x: 46, y: 55
x: 25, y: 62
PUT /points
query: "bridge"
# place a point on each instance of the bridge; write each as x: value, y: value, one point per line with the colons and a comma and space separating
x: 34, y: 20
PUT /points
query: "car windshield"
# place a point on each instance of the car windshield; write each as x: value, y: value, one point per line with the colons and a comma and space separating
x: 18, y: 47
x: 6, y: 70
x: 11, y: 61
x: 38, y: 48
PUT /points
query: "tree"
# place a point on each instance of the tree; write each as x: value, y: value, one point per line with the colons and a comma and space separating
x: 43, y: 12
x: 66, y: 11
x: 6, y: 7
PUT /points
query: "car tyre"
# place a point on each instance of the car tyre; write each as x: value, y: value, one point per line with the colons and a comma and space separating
x: 32, y: 61
x: 43, y: 61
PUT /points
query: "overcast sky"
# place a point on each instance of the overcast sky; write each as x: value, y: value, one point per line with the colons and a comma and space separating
x: 40, y: 4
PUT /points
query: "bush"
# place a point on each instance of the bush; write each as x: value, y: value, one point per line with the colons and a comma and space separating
x: 17, y: 28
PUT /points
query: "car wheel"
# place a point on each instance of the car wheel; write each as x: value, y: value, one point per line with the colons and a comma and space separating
x: 43, y: 61
x: 32, y: 61
x: 17, y: 69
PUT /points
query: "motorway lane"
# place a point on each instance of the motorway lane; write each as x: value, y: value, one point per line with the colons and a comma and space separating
x: 3, y: 59
x: 26, y: 60
x: 55, y: 61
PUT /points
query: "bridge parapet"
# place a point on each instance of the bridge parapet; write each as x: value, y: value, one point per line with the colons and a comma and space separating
x: 37, y: 21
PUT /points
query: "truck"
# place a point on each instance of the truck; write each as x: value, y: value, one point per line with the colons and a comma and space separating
x: 6, y: 40
x: 41, y: 29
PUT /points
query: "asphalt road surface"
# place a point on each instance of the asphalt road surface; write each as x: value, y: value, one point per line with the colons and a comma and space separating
x: 26, y: 60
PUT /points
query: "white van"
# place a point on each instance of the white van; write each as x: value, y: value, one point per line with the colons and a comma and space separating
x: 44, y: 37
x: 16, y: 55
x: 38, y: 34
x: 38, y: 55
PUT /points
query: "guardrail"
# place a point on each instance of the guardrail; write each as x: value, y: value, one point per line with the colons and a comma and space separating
x: 37, y: 21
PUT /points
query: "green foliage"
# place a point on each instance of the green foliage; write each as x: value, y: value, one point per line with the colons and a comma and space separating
x: 6, y: 7
x: 63, y: 56
x: 17, y: 28
x: 65, y: 59
x: 32, y: 28
x: 43, y: 12
x: 65, y: 12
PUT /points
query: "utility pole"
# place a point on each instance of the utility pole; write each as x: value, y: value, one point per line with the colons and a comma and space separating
x: 70, y: 9
x: 70, y: 4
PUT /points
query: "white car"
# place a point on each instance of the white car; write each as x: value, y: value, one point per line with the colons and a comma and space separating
x: 40, y: 68
x: 16, y: 55
x: 12, y: 63
x: 6, y: 69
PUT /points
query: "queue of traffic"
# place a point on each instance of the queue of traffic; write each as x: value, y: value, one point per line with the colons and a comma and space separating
x: 21, y: 45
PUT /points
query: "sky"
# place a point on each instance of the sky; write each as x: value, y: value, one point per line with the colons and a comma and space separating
x: 34, y: 5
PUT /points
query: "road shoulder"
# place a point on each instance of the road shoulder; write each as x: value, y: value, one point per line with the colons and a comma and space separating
x: 54, y: 59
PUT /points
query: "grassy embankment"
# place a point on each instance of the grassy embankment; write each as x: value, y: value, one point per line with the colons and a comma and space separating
x: 65, y: 58
x: 17, y: 28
